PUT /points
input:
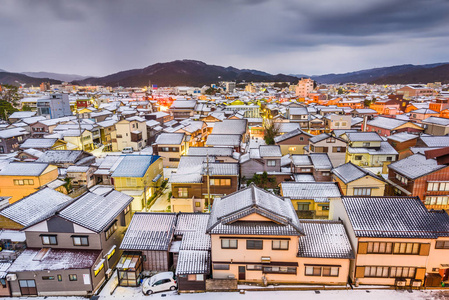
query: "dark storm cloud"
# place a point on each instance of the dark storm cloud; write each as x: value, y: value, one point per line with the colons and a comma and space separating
x: 290, y: 36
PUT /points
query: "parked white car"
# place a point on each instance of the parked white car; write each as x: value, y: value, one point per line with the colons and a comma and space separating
x: 160, y: 282
x: 128, y: 150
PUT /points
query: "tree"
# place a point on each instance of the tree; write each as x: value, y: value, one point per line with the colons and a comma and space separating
x: 271, y: 130
x: 68, y: 184
x: 26, y: 108
x: 10, y: 93
x: 262, y: 181
x: 211, y: 91
x: 6, y: 109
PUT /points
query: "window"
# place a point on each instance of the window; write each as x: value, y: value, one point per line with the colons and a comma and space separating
x: 131, y: 181
x: 254, y: 244
x: 195, y: 277
x: 366, y: 144
x: 379, y: 247
x: 329, y: 271
x: 127, y: 209
x: 376, y: 271
x: 271, y: 163
x: 183, y: 192
x: 301, y: 138
x: 229, y: 244
x: 324, y: 207
x: 23, y: 181
x: 220, y: 182
x: 362, y: 191
x: 442, y: 245
x: 73, y: 277
x: 279, y: 245
x: 99, y: 267
x: 291, y: 148
x: 436, y: 200
x: 111, y: 229
x: 221, y: 267
x: 306, y: 170
x: 438, y: 186
x: 338, y: 149
x: 80, y: 240
x: 406, y: 248
x: 389, y: 158
x: 406, y: 272
x: 197, y: 204
x: 303, y: 206
x: 173, y: 159
x: 280, y: 269
x: 59, y: 277
x: 48, y: 277
x: 254, y: 267
x: 358, y: 157
x: 402, y: 179
x: 111, y: 252
x: 49, y: 240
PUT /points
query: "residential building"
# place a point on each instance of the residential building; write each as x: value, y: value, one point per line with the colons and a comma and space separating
x: 171, y: 146
x: 397, y: 240
x: 356, y: 181
x: 420, y: 177
x: 317, y: 165
x: 293, y: 142
x: 436, y: 126
x: 257, y: 237
x: 415, y: 90
x: 388, y: 126
x: 66, y: 158
x: 131, y: 132
x: 138, y: 176
x: 72, y: 251
x: 311, y: 200
x: 266, y: 158
x: 334, y: 121
x: 402, y: 142
x: 304, y: 87
x: 182, y: 109
x: 54, y: 106
x: 10, y: 139
x: 42, y: 144
x: 18, y: 180
x: 325, y: 143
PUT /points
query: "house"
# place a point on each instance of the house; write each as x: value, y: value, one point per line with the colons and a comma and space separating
x: 232, y: 127
x: 436, y: 126
x: 81, y: 139
x: 311, y: 200
x: 356, y: 181
x: 171, y: 146
x: 368, y: 149
x: 397, y: 240
x: 171, y: 241
x: 317, y: 165
x: 257, y: 237
x: 293, y: 142
x: 266, y: 158
x: 402, y: 142
x: 325, y: 143
x: 232, y: 141
x: 420, y: 177
x: 182, y: 109
x: 221, y: 154
x: 75, y: 249
x: 54, y: 106
x: 10, y: 139
x: 19, y: 115
x: 334, y: 121
x: 388, y: 126
x: 105, y: 169
x: 422, y: 114
x: 299, y: 115
x: 18, y: 180
x: 191, y: 191
x: 415, y: 90
x: 138, y: 176
x: 108, y: 134
x: 81, y: 176
x: 131, y: 132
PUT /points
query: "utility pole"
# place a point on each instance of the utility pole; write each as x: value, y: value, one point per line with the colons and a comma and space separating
x: 81, y: 134
x: 208, y: 182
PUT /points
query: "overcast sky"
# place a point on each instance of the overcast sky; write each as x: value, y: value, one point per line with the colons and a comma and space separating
x: 99, y: 37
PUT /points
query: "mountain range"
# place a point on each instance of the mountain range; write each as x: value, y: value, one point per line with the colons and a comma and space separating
x: 197, y: 73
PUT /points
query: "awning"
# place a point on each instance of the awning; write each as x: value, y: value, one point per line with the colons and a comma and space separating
x: 158, y: 176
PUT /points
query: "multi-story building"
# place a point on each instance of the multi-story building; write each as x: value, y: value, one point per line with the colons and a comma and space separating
x: 171, y: 146
x: 356, y: 181
x: 55, y: 106
x: 304, y: 87
x: 10, y: 139
x: 333, y: 146
x: 131, y: 132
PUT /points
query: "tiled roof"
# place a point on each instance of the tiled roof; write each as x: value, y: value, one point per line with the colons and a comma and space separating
x: 223, y: 140
x: 170, y: 138
x: 270, y: 151
x: 387, y: 123
x: 363, y: 137
x: 437, y: 121
x: 23, y: 169
x: 321, y: 161
x: 213, y: 151
x: 60, y: 156
x: 416, y: 166
x: 228, y: 210
x: 310, y: 190
x: 384, y: 149
x: 324, y: 239
x: 230, y: 127
x: 192, y: 227
x: 149, y: 231
x: 38, y: 143
x: 301, y: 160
x: 319, y: 138
x: 349, y: 172
x: 193, y: 262
x: 402, y: 137
x: 134, y: 165
x: 95, y: 212
x: 394, y: 217
x: 436, y: 141
x: 35, y: 207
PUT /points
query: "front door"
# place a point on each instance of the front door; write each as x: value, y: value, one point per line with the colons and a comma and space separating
x: 242, y: 274
x: 28, y: 287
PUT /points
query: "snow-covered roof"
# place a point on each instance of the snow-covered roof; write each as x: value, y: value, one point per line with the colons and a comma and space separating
x: 170, y: 138
x: 384, y: 149
x: 310, y: 190
x: 416, y: 166
x: 95, y: 212
x: 402, y: 137
x: 193, y: 262
x: 304, y: 178
x: 224, y: 140
x: 23, y: 169
x: 149, y: 231
x: 38, y: 143
x: 134, y: 165
x: 324, y: 239
x: 363, y: 137
x: 22, y: 114
x: 321, y: 161
x: 230, y: 127
x: 349, y: 172
x: 227, y: 211
x: 270, y: 151
x: 54, y: 259
x: 290, y: 134
x: 394, y: 217
x: 60, y: 156
x: 436, y: 121
x: 9, y: 133
x: 212, y: 151
x: 434, y: 141
x: 35, y: 207
x: 387, y: 123
x: 192, y: 227
x: 301, y: 160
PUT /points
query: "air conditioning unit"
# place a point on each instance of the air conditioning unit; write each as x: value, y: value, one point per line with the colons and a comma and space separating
x: 400, y: 283
x: 11, y: 277
x: 265, y: 259
x: 231, y: 277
